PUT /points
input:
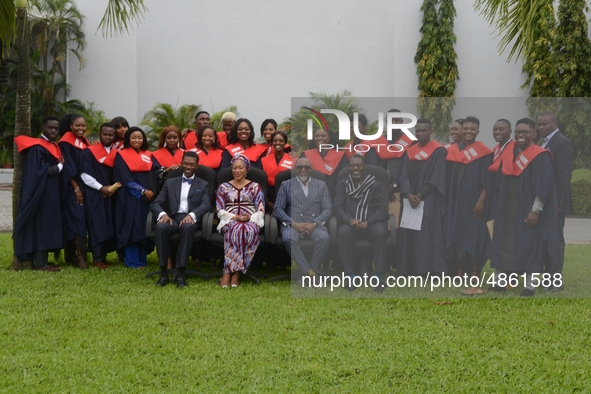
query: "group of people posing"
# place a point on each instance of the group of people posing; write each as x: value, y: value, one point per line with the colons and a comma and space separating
x: 76, y: 194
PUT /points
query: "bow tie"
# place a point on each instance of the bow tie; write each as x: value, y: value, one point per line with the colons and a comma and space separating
x: 189, y: 181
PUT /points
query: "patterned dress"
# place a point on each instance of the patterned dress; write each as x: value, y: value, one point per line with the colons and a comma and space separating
x: 241, y: 239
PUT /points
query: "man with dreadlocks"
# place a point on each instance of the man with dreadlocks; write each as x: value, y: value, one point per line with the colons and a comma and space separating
x: 361, y: 206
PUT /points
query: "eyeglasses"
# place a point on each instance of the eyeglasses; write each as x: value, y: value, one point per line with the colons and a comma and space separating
x: 356, y: 165
x: 301, y: 167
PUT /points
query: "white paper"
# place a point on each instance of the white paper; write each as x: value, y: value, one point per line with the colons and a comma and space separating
x: 411, y: 217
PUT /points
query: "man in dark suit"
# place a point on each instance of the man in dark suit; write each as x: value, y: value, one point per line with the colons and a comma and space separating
x: 562, y: 164
x: 302, y: 207
x: 179, y: 208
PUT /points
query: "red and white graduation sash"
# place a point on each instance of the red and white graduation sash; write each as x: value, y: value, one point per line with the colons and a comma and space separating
x: 102, y: 156
x: 522, y: 160
x: 211, y: 159
x: 137, y: 161
x: 470, y: 153
x: 222, y: 139
x: 253, y: 152
x: 418, y: 152
x: 76, y: 142
x: 326, y: 165
x: 271, y: 167
x: 498, y: 153
x: 118, y: 145
x: 165, y: 159
x: 24, y: 142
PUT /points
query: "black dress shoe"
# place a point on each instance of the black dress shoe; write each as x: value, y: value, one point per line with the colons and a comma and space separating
x: 527, y: 293
x: 163, y: 281
x: 181, y: 282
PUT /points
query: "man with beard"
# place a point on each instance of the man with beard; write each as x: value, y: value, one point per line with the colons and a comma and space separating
x: 562, y: 165
x: 361, y: 206
x: 38, y: 226
x: 525, y: 220
x: 467, y: 175
x: 423, y: 179
x: 302, y: 207
x: 96, y: 167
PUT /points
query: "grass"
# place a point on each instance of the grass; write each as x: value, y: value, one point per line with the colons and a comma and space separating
x: 114, y: 331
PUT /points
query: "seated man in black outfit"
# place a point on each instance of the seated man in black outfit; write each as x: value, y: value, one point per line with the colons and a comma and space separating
x: 179, y: 208
x: 361, y: 206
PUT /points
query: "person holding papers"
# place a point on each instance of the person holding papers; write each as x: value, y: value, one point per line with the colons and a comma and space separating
x: 422, y: 186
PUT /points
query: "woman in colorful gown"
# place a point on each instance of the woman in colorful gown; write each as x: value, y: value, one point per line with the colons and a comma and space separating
x: 240, y: 204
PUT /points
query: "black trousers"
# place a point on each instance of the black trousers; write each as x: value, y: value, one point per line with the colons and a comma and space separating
x: 163, y: 233
x: 377, y: 233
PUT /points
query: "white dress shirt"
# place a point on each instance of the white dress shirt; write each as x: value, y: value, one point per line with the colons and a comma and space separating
x: 184, y: 202
x: 547, y: 139
x: 91, y: 181
x: 305, y: 187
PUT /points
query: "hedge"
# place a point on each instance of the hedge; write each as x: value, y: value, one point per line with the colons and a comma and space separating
x: 581, y: 187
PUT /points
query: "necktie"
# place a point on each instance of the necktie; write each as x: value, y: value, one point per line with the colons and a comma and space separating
x: 189, y: 181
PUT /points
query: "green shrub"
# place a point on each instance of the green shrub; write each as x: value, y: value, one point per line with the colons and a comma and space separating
x: 581, y: 186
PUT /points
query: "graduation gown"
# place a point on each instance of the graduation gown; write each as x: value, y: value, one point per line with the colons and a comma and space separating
x: 131, y: 212
x: 191, y: 140
x: 95, y: 162
x: 518, y: 247
x: 166, y: 159
x: 38, y: 225
x: 423, y: 251
x: 467, y: 176
x: 73, y: 213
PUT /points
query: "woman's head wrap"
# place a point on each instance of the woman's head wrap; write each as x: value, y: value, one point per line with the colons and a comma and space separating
x: 242, y: 158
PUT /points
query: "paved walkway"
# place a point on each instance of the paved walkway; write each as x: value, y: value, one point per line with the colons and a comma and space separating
x: 576, y: 230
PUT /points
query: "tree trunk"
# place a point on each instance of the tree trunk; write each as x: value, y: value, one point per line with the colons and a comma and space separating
x: 23, y: 114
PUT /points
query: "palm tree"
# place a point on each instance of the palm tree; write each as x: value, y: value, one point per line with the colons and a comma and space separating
x: 14, y: 28
x: 164, y: 114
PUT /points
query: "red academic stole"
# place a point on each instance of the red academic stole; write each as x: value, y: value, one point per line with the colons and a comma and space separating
x: 165, y: 159
x: 253, y: 152
x: 76, y: 142
x: 137, y: 162
x: 102, y: 156
x: 497, y: 155
x: 327, y: 165
x: 191, y: 139
x: 118, y: 145
x: 271, y: 167
x: 212, y: 159
x: 470, y: 153
x: 522, y: 160
x: 24, y: 142
x: 418, y: 152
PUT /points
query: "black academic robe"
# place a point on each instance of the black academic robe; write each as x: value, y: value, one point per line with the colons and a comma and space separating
x: 38, y: 225
x: 423, y: 251
x: 465, y: 183
x: 130, y: 212
x: 99, y: 210
x: 73, y: 213
x: 518, y: 247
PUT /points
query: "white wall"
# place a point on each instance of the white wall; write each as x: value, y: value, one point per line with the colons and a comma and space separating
x: 257, y: 54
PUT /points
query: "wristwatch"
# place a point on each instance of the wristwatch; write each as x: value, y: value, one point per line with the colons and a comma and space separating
x: 143, y: 192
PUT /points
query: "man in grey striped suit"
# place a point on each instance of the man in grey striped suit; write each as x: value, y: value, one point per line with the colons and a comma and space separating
x: 302, y: 207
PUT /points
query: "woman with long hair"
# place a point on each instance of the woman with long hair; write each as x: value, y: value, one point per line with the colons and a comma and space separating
x: 208, y: 148
x: 241, y: 142
x: 121, y: 126
x: 72, y: 143
x: 137, y: 172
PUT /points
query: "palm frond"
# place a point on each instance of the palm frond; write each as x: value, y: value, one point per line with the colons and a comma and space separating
x: 120, y: 15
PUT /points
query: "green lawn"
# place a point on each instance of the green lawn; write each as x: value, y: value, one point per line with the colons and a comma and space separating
x: 114, y: 331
